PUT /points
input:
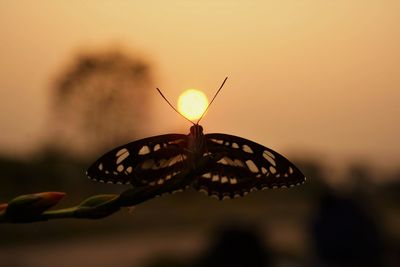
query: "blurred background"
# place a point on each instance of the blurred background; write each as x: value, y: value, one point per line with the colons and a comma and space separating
x: 317, y: 81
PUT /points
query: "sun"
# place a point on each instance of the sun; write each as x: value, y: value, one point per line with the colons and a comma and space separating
x: 192, y: 103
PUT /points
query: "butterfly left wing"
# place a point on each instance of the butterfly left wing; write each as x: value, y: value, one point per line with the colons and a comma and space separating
x: 243, y: 167
x: 148, y: 161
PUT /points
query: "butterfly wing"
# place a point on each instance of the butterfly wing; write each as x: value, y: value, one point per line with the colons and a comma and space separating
x: 148, y: 161
x: 245, y: 166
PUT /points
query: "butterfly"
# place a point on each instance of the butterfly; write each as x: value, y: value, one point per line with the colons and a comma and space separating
x: 220, y: 165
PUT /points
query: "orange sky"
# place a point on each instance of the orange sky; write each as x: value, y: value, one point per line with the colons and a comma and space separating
x: 314, y: 76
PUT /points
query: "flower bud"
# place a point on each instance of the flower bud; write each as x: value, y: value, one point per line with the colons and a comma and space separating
x: 97, y: 207
x: 33, y: 204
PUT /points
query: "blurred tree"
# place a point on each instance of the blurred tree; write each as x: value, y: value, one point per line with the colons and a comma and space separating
x: 99, y: 101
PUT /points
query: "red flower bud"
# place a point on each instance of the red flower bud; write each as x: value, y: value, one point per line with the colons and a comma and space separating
x: 33, y: 204
x: 47, y: 199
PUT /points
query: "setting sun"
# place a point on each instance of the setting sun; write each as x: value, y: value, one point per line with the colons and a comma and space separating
x: 192, y: 103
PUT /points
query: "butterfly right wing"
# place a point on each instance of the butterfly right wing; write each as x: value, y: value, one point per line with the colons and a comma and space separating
x: 244, y: 166
x: 148, y: 161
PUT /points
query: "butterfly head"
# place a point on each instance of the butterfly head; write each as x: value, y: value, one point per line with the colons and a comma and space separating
x: 196, y: 131
x: 196, y: 142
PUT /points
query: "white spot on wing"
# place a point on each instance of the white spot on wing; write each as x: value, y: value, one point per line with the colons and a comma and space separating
x: 122, y: 156
x: 272, y: 170
x: 129, y: 169
x: 247, y: 149
x: 144, y: 150
x: 238, y: 162
x: 174, y: 160
x: 233, y: 181
x: 101, y: 166
x: 157, y: 147
x: 269, y: 154
x: 221, y: 142
x: 225, y: 161
x: 222, y: 161
x: 270, y: 157
x: 120, y: 168
x: 215, y: 178
x: 252, y: 167
x: 207, y: 175
x: 122, y: 151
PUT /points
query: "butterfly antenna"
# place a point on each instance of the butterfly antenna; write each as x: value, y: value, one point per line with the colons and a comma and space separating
x: 169, y: 103
x: 212, y: 100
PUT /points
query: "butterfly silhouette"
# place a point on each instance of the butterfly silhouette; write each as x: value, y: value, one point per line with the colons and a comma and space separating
x: 220, y: 165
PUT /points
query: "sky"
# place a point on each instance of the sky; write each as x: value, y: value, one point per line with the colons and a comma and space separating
x: 306, y: 77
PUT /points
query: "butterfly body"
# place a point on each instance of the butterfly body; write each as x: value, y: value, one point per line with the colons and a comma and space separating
x: 196, y: 143
x: 218, y: 164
